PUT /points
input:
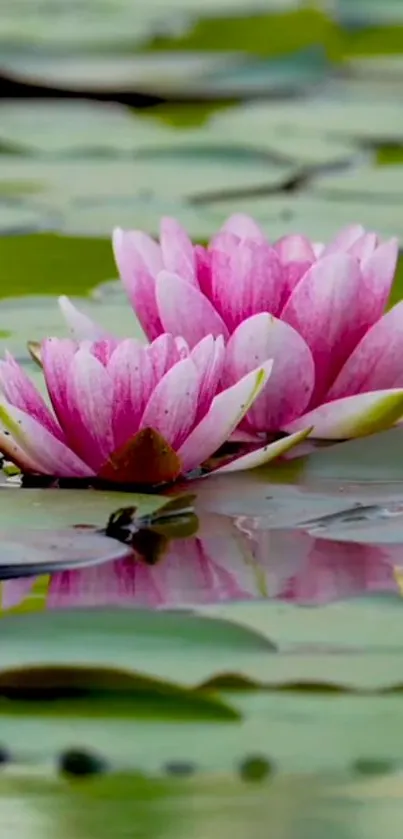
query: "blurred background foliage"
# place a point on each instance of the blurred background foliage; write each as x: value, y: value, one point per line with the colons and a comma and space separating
x: 115, y: 113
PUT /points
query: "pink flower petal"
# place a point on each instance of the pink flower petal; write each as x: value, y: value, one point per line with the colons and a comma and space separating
x: 203, y: 269
x: 57, y: 357
x: 208, y: 356
x: 89, y: 408
x: 288, y: 391
x: 364, y: 247
x: 164, y: 352
x: 136, y: 264
x: 377, y: 361
x: 182, y: 347
x: 294, y: 248
x: 21, y: 392
x: 292, y: 273
x: 325, y: 308
x: 172, y: 406
x: 378, y: 271
x: 318, y: 248
x: 102, y: 350
x: 242, y: 436
x: 185, y: 311
x: 177, y: 250
x: 344, y: 239
x: 265, y: 454
x: 226, y: 412
x: 15, y: 453
x: 54, y: 457
x: 81, y: 326
x: 147, y: 249
x: 244, y: 227
x: 246, y: 279
x: 354, y: 416
x: 132, y: 374
x: 297, y: 255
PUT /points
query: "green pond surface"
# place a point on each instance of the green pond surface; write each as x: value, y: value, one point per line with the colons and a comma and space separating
x: 235, y: 669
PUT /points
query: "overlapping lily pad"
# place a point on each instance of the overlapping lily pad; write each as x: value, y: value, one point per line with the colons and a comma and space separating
x: 74, y: 127
x: 356, y: 655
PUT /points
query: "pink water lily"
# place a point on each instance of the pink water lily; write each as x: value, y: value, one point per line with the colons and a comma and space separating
x: 125, y: 412
x: 316, y: 310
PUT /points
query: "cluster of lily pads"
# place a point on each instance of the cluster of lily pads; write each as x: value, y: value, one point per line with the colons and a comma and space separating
x: 253, y: 347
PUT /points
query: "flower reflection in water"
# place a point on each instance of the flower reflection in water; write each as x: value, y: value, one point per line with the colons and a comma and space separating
x: 229, y: 559
x: 191, y: 571
x: 315, y: 571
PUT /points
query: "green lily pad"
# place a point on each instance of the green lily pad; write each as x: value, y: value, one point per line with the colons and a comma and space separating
x: 60, y: 528
x: 261, y: 126
x: 55, y: 26
x: 226, y: 645
x: 140, y: 211
x: 155, y: 644
x: 368, y: 459
x: 163, y: 74
x: 41, y: 508
x: 319, y: 489
x: 370, y: 624
x: 383, y: 185
x: 113, y: 24
x: 21, y: 218
x: 274, y: 725
x: 73, y: 127
x: 285, y: 74
x: 369, y: 12
x: 174, y: 176
x: 349, y: 117
x: 31, y: 552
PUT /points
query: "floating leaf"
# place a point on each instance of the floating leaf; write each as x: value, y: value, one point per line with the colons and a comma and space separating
x: 136, y: 694
x: 32, y: 552
x: 371, y: 458
x: 47, y: 508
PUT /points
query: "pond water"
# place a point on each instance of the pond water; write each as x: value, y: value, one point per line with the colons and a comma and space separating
x: 226, y: 658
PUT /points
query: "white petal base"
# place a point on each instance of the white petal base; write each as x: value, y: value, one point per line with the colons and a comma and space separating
x: 265, y: 454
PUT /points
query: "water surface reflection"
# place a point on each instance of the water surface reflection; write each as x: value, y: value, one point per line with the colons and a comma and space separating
x: 228, y: 559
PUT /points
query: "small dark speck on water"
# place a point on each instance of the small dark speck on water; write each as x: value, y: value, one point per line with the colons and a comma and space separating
x: 373, y: 766
x: 255, y: 768
x: 80, y: 763
x: 180, y: 768
x: 5, y: 756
